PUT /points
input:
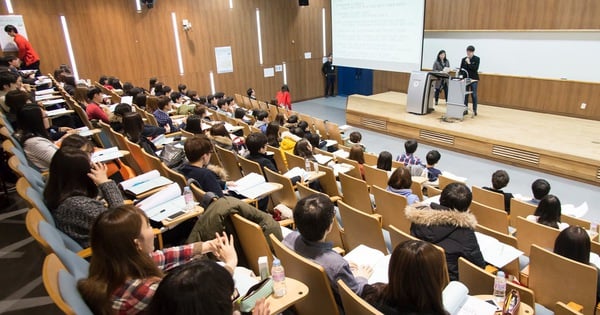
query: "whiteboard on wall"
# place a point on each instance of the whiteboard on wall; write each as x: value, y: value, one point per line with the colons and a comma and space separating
x: 6, y: 41
x: 570, y: 55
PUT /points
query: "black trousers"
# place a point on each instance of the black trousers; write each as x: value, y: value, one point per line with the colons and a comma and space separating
x: 33, y: 66
x: 330, y: 84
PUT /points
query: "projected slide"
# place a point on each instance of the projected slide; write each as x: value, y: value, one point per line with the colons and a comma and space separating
x: 378, y: 34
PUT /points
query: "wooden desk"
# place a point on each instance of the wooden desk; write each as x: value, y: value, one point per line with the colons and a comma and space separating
x: 524, y: 309
x: 273, y: 187
x: 314, y: 175
x: 419, y: 179
x: 169, y: 224
x: 296, y: 291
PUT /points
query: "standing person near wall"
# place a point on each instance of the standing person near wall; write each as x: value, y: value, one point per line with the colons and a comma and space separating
x: 328, y: 70
x: 283, y: 97
x: 30, y: 58
x: 471, y: 64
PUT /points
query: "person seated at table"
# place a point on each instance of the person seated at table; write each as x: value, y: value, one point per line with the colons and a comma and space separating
x: 262, y: 119
x: 162, y: 115
x: 210, y: 177
x: 316, y: 143
x: 384, y: 161
x: 500, y: 179
x: 181, y: 104
x: 193, y: 124
x: 574, y: 243
x: 220, y: 136
x: 257, y: 147
x: 313, y: 216
x: 116, y: 122
x: 272, y: 134
x: 202, y: 111
x: 292, y: 122
x: 304, y: 150
x: 412, y: 261
x: 357, y: 154
x: 240, y: 115
x: 540, y: 188
x: 223, y: 107
x: 289, y: 140
x: 72, y: 191
x: 400, y: 182
x: 133, y: 126
x: 548, y: 213
x: 305, y: 128
x: 199, y: 287
x: 355, y: 138
x: 95, y: 109
x: 433, y: 157
x: 448, y: 225
x: 409, y: 158
x: 125, y: 270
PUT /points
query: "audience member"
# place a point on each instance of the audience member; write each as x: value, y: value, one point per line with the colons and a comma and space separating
x: 133, y: 127
x: 384, y: 161
x: 400, y: 182
x: 292, y: 122
x: 34, y: 138
x: 355, y: 138
x: 72, y: 190
x: 257, y: 147
x: 357, y: 154
x: 125, y: 270
x: 433, y: 157
x: 94, y: 110
x: 272, y: 133
x: 548, y: 213
x: 251, y: 93
x: 31, y: 60
x: 408, y: 158
x: 449, y: 225
x: 540, y: 188
x: 220, y: 136
x: 198, y: 151
x: 499, y: 180
x: 304, y: 150
x: 162, y: 115
x: 313, y: 216
x: 283, y: 97
x: 193, y: 124
x: 262, y: 119
x: 116, y: 122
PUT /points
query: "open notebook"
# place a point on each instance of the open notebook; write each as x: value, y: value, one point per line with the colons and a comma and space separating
x: 251, y: 186
x: 145, y: 182
x: 165, y: 204
x: 363, y: 255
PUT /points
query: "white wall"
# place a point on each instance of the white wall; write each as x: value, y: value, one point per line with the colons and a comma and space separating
x: 574, y: 55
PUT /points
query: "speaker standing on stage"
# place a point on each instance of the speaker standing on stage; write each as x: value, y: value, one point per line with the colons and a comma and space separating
x: 441, y: 64
x: 328, y: 70
x: 471, y: 64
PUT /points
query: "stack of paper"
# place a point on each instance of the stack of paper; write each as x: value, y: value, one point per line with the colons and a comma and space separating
x: 56, y: 112
x: 84, y: 131
x: 573, y: 211
x: 44, y: 92
x: 252, y: 186
x: 106, y: 155
x: 341, y: 153
x: 322, y: 159
x: 164, y: 203
x: 144, y: 182
x: 494, y: 252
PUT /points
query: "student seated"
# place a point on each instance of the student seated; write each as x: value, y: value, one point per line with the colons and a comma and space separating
x: 262, y: 119
x: 272, y: 133
x: 304, y: 150
x: 384, y: 161
x: 548, y: 213
x: 357, y: 154
x: 125, y: 270
x: 257, y: 147
x: 313, y: 216
x: 540, y: 188
x: 409, y: 158
x: 574, y: 243
x: 72, y: 191
x: 133, y: 127
x: 194, y: 124
x: 198, y: 151
x: 94, y: 110
x: 355, y: 138
x: 499, y: 180
x: 433, y: 157
x: 199, y: 287
x: 162, y: 115
x: 411, y: 262
x: 220, y: 136
x: 448, y: 225
x: 400, y: 182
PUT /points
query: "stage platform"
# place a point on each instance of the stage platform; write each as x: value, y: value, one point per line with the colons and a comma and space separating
x: 564, y: 146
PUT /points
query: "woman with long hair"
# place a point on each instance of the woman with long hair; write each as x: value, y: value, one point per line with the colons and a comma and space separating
x: 400, y: 183
x: 441, y: 63
x: 125, y: 270
x: 272, y: 134
x: 194, y: 124
x: 72, y: 190
x: 304, y: 150
x: 384, y: 161
x: 133, y: 126
x: 357, y: 154
x: 548, y: 213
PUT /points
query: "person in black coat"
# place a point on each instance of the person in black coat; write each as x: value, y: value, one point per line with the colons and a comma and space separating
x: 449, y: 225
x: 328, y: 70
x: 471, y: 64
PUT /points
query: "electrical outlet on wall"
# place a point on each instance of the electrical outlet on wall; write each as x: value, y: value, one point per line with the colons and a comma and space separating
x: 583, y: 105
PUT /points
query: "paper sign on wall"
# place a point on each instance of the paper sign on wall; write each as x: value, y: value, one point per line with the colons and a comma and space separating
x: 269, y: 72
x: 6, y: 41
x: 224, y: 59
x: 307, y: 55
x: 278, y: 68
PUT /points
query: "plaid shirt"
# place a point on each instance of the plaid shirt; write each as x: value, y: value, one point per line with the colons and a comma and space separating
x: 164, y: 119
x: 134, y: 295
x: 409, y: 159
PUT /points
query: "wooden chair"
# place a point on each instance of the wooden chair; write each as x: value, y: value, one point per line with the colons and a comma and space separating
x: 356, y: 193
x: 320, y: 128
x: 391, y: 208
x: 489, y: 217
x: 249, y: 166
x: 355, y: 171
x: 370, y: 159
x: 230, y: 163
x: 278, y: 157
x: 417, y: 189
x: 174, y: 176
x: 563, y: 309
x: 512, y: 267
x: 480, y: 281
x: 519, y: 208
x: 570, y: 220
x: 62, y: 287
x: 333, y: 130
x: 556, y: 278
x: 154, y: 162
x: 353, y: 304
x: 398, y: 236
x: 328, y: 183
x: 443, y: 181
x: 286, y: 195
x: 136, y: 152
x: 488, y: 198
x: 375, y: 176
x: 32, y: 221
x: 361, y: 228
x: 432, y: 191
x: 86, y: 122
x: 252, y: 241
x: 294, y: 161
x: 320, y: 298
x: 529, y: 233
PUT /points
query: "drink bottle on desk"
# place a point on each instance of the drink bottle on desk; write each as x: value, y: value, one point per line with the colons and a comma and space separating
x: 278, y: 275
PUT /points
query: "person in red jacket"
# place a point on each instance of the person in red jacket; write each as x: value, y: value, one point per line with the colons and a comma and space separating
x: 283, y: 97
x: 30, y: 58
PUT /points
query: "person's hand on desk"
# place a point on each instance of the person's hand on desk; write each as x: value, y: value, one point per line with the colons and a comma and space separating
x: 364, y: 271
x: 98, y: 173
x: 261, y: 308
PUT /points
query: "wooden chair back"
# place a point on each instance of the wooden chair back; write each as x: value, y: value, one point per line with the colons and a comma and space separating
x: 375, y: 176
x: 563, y: 309
x: 481, y: 282
x: 489, y: 217
x: 328, y: 182
x: 443, y: 181
x: 370, y: 159
x: 488, y: 198
x: 432, y: 191
x: 354, y: 304
x: 107, y: 130
x: 391, y: 208
x: 174, y: 176
x: 136, y: 152
x: 249, y: 166
x: 570, y: 220
x: 519, y: 208
x: 512, y: 267
x: 356, y: 193
x: 154, y: 162
x: 278, y: 157
x: 355, y: 171
x: 230, y: 163
x: 320, y: 127
x: 32, y: 221
x: 252, y: 240
x: 361, y: 228
x: 417, y: 189
x: 398, y: 236
x: 529, y: 233
x: 333, y: 130
x: 550, y: 274
x: 320, y: 298
x: 286, y: 195
x: 294, y: 161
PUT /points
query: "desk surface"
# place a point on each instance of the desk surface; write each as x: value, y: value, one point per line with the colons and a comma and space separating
x: 296, y: 291
x: 169, y: 224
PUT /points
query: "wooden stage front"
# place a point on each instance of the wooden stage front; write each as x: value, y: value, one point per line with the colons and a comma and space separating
x: 565, y: 146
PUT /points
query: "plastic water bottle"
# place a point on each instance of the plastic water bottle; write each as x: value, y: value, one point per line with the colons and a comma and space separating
x: 278, y: 274
x: 499, y: 288
x: 189, y: 198
x: 307, y: 165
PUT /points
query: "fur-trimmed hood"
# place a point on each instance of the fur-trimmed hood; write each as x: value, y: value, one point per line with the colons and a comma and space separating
x: 425, y: 215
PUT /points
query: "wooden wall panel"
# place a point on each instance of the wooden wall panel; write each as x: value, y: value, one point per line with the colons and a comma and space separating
x: 110, y: 38
x: 511, y: 14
